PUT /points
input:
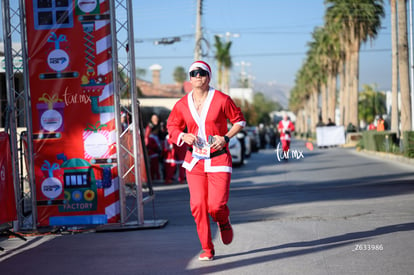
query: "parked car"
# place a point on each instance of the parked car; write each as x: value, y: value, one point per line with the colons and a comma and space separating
x: 236, y: 151
x: 244, y: 139
x: 254, y: 138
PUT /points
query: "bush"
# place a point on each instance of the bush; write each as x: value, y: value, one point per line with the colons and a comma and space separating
x: 386, y: 141
x: 408, y: 143
x: 368, y: 141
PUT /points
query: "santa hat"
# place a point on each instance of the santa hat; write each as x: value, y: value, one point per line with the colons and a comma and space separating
x: 200, y: 64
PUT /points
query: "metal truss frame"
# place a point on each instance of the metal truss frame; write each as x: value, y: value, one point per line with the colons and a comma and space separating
x: 132, y: 195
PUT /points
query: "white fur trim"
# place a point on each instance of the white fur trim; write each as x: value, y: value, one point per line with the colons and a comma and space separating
x: 200, y: 65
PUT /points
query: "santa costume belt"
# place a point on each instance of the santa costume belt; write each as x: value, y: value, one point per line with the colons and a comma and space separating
x: 215, y: 153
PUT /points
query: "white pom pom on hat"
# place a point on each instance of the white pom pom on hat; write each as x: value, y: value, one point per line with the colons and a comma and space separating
x: 200, y: 64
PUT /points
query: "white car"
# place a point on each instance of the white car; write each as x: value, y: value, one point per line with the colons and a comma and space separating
x: 236, y: 151
x: 247, y: 143
x: 252, y: 132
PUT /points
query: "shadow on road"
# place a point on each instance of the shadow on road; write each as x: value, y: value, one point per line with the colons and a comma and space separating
x: 307, y: 248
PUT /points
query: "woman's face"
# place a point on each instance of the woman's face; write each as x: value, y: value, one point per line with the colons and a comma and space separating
x: 200, y: 82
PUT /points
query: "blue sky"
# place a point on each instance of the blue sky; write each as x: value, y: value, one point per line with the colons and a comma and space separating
x: 273, y: 37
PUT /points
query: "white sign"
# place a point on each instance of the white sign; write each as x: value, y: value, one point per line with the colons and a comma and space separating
x: 17, y: 64
x: 58, y: 60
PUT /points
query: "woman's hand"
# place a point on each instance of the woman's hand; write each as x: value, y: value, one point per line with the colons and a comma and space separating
x: 219, y: 143
x: 189, y: 138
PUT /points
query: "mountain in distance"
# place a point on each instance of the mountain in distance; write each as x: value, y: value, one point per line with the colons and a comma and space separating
x: 274, y: 91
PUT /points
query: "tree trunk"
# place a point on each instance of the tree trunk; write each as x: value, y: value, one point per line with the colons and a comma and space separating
x: 315, y: 110
x: 354, y: 81
x: 306, y: 117
x: 394, y: 88
x: 324, y: 103
x: 219, y: 76
x: 299, y: 121
x: 403, y: 66
x: 348, y: 86
x: 342, y: 93
x: 309, y: 115
x: 332, y: 97
x: 226, y: 82
x: 303, y: 119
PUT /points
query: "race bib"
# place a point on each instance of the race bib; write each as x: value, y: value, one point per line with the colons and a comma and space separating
x: 201, y: 149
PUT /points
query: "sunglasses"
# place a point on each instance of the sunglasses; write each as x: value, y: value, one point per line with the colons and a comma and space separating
x: 200, y: 72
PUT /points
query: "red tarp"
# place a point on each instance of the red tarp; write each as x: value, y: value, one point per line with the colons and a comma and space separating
x: 7, y: 199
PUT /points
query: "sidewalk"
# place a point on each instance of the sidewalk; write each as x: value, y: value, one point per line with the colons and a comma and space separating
x: 389, y: 156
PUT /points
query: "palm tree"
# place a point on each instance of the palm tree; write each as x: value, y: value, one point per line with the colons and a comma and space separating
x: 335, y: 54
x: 180, y: 76
x: 305, y: 93
x: 223, y: 59
x: 227, y: 64
x: 359, y: 20
x: 371, y: 103
x: 319, y: 48
x: 327, y: 48
x: 403, y: 67
x: 313, y: 76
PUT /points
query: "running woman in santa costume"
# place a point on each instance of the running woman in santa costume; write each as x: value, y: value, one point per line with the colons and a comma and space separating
x: 285, y: 128
x: 204, y: 113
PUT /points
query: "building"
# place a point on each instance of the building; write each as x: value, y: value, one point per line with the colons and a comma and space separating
x: 156, y: 94
x: 244, y: 94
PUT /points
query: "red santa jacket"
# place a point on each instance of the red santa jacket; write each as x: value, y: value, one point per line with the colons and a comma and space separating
x: 218, y: 107
x: 285, y: 128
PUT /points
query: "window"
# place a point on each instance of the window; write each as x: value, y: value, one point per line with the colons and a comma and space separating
x: 76, y: 180
x: 52, y: 14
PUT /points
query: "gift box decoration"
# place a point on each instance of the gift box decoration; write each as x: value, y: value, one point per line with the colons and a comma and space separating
x: 96, y: 142
x: 51, y: 113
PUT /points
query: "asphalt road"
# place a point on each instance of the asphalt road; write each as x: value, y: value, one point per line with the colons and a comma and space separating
x: 331, y: 211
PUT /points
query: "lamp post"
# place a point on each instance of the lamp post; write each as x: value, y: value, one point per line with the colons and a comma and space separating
x: 243, y: 74
x: 228, y: 35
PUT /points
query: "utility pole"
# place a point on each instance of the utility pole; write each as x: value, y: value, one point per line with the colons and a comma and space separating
x: 412, y: 64
x: 394, y: 88
x: 198, y: 34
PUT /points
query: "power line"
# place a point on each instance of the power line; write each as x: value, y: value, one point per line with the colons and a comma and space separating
x: 254, y: 54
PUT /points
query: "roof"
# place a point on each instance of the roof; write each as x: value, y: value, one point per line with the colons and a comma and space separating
x: 148, y: 89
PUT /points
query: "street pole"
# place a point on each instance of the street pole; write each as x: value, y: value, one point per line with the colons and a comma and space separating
x: 197, y: 49
x: 412, y: 64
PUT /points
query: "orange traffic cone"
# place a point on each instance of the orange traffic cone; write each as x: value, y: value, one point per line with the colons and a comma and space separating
x: 309, y: 145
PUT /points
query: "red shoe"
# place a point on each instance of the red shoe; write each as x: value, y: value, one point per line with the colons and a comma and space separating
x: 206, y: 256
x: 226, y: 232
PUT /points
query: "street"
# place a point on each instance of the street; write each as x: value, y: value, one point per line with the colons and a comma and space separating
x: 326, y: 211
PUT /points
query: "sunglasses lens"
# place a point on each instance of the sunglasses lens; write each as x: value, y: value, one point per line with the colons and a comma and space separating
x: 200, y: 72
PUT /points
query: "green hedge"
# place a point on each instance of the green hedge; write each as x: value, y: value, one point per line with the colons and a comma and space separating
x: 379, y: 141
x: 408, y: 142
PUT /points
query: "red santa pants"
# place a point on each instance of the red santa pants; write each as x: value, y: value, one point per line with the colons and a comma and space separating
x: 170, y: 169
x: 285, y: 145
x: 209, y: 193
x: 155, y: 168
x: 181, y: 173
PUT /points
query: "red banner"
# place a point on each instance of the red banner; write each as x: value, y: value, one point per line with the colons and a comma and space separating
x: 7, y: 198
x: 70, y: 67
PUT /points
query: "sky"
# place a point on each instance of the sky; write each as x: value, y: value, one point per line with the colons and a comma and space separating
x: 270, y: 36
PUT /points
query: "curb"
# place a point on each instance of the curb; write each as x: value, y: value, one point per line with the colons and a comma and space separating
x: 388, y: 156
